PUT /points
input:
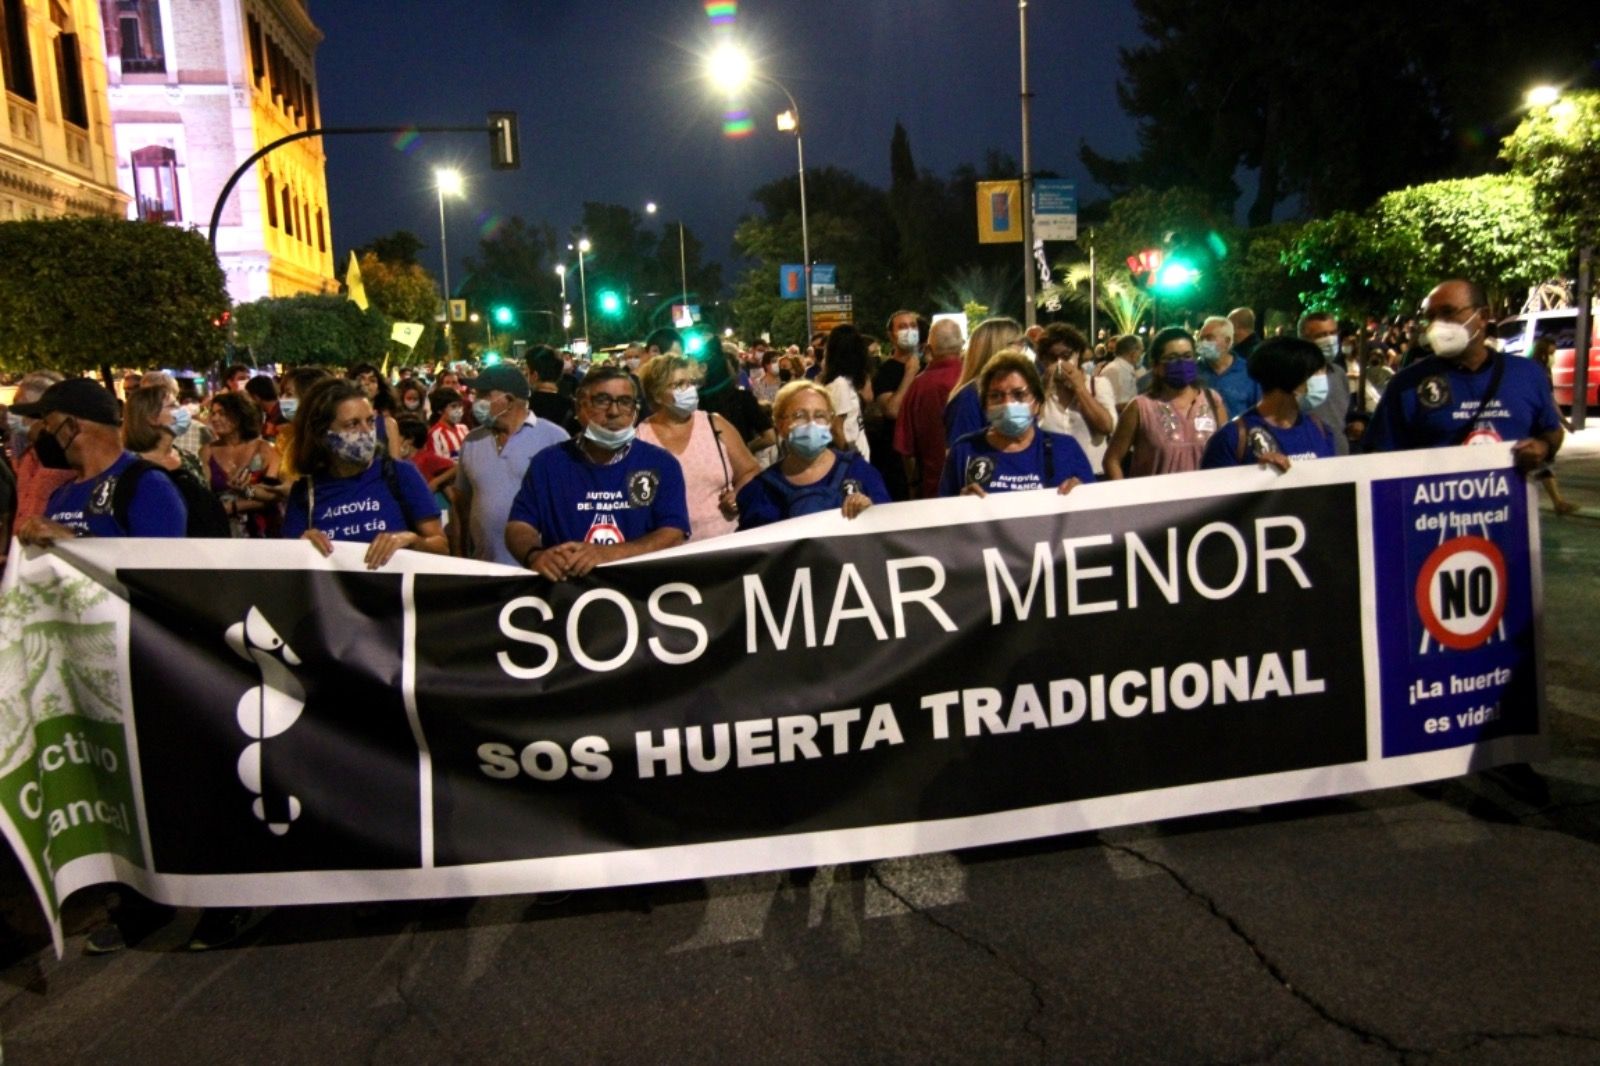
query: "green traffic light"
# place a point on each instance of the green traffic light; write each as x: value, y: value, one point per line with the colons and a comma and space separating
x: 694, y: 343
x: 610, y: 303
x: 502, y: 316
x: 491, y: 358
x: 1176, y: 276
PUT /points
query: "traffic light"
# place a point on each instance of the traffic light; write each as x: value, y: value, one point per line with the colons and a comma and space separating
x: 610, y: 303
x: 503, y: 316
x: 1145, y: 268
x: 694, y: 343
x: 504, y: 152
x: 491, y: 358
x: 1175, y: 277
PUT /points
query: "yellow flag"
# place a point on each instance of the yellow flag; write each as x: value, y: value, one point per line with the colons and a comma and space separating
x: 354, y: 289
x: 999, y: 206
x: 407, y: 333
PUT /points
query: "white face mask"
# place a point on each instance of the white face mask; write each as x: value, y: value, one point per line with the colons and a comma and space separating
x: 1447, y: 339
x: 907, y: 339
x: 1329, y: 346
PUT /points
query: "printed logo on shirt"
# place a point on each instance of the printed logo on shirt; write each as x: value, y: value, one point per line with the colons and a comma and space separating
x: 1261, y: 443
x: 1434, y: 392
x: 604, y: 530
x: 100, y: 501
x: 1483, y: 435
x: 642, y: 488
x: 980, y: 470
x: 852, y: 487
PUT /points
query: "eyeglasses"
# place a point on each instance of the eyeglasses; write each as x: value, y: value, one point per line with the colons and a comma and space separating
x: 1446, y: 313
x: 995, y: 396
x: 603, y: 401
x: 816, y: 418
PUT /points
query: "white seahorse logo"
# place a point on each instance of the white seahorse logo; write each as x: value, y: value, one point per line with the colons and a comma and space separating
x: 265, y: 711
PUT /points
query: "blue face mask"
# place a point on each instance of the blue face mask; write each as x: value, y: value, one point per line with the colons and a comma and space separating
x: 287, y: 406
x: 1316, y: 392
x: 480, y: 411
x: 1208, y: 352
x: 610, y: 439
x: 807, y: 440
x: 1010, y: 419
x: 686, y: 400
x: 181, y: 420
x: 357, y: 447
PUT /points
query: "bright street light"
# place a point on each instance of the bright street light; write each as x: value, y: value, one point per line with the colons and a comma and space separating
x: 583, y: 246
x: 650, y: 208
x: 1543, y: 95
x: 449, y: 181
x: 583, y: 285
x: 729, y: 67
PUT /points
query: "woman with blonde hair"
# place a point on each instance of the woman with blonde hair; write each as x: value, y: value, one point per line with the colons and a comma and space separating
x: 964, y: 412
x: 716, y: 464
x: 811, y: 477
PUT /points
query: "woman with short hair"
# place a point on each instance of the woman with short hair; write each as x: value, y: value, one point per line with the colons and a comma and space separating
x: 1012, y: 453
x: 811, y: 477
x: 351, y: 490
x: 1293, y: 375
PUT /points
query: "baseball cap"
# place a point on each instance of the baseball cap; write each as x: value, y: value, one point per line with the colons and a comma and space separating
x: 78, y: 397
x: 508, y: 379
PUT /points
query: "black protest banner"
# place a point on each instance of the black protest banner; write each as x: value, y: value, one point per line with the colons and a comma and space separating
x: 929, y: 676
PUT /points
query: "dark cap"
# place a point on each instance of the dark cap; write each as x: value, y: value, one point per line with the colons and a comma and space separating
x: 501, y: 378
x: 78, y: 397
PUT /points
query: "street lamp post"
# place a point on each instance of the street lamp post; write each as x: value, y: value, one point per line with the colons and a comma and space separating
x: 683, y: 258
x: 732, y: 69
x: 447, y: 181
x: 583, y: 287
x: 566, y: 316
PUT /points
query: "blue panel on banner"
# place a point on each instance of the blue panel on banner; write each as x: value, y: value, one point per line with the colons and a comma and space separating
x: 1455, y: 610
x: 792, y: 281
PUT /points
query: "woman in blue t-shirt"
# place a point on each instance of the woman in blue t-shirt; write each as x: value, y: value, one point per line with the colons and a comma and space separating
x: 1013, y: 454
x: 1293, y: 375
x: 812, y: 477
x: 347, y: 490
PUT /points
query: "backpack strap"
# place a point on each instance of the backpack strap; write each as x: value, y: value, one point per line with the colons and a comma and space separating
x: 1049, y: 461
x: 1495, y: 378
x: 391, y: 478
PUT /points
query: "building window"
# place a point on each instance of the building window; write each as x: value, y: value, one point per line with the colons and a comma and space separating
x: 288, y: 213
x: 155, y: 184
x: 133, y: 31
x: 322, y: 233
x: 14, y: 52
x: 272, y: 202
x: 69, y: 81
x: 258, y: 64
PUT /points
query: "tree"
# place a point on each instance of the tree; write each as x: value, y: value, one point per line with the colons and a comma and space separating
x: 401, y: 247
x: 1557, y: 148
x: 311, y: 330
x: 402, y: 292
x: 515, y: 268
x: 76, y: 294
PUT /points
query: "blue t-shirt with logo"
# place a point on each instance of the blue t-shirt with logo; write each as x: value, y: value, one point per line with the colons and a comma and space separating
x: 360, y: 507
x: 156, y: 509
x: 1237, y: 388
x: 773, y: 497
x: 1047, y: 461
x: 566, y: 497
x: 1306, y: 439
x: 1431, y: 404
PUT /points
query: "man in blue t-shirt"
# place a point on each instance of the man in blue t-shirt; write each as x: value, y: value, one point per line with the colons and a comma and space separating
x: 601, y: 497
x: 1222, y: 370
x: 1465, y: 392
x: 78, y: 431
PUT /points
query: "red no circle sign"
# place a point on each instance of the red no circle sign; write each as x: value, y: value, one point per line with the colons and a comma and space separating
x: 1461, y: 592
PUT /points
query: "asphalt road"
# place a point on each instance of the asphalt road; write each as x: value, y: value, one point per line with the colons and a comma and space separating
x: 1455, y: 923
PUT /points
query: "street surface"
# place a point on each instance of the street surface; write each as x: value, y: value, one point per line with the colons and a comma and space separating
x: 1452, y: 923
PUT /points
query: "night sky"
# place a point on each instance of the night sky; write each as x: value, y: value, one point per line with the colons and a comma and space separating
x: 613, y: 107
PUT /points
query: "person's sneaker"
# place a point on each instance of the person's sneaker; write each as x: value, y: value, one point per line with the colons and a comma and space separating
x: 104, y: 939
x: 218, y: 927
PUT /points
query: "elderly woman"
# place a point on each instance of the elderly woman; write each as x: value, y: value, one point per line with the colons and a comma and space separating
x: 811, y: 477
x: 964, y: 413
x: 349, y: 490
x: 716, y: 464
x: 1166, y: 429
x: 1012, y: 454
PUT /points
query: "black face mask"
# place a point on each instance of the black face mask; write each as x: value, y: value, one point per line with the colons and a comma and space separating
x: 51, y: 452
x: 784, y: 375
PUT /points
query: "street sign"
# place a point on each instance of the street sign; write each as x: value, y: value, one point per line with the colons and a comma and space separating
x: 685, y: 315
x: 792, y: 281
x: 824, y: 279
x: 835, y: 310
x: 1055, y: 209
x: 458, y: 310
x: 999, y: 212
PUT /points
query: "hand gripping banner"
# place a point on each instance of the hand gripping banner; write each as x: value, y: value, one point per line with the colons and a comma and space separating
x: 246, y: 723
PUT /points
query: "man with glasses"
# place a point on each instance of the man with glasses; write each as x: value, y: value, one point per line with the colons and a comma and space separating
x: 1465, y: 392
x: 602, y: 496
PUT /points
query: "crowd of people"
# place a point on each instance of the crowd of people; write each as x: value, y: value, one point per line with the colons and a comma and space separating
x: 559, y: 465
